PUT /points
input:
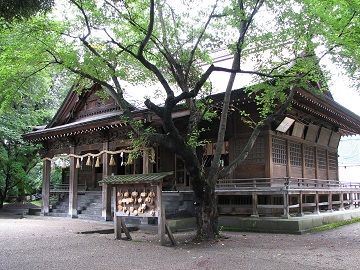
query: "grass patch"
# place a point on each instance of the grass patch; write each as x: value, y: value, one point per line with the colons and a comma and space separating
x: 334, y: 225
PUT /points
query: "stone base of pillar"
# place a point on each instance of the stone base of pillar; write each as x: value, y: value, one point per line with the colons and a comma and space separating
x: 73, y: 213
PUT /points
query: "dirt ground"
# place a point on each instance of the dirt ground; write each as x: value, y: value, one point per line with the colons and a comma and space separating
x: 57, y: 243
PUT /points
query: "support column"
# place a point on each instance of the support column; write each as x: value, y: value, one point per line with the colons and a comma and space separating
x: 46, y: 187
x: 317, y: 207
x: 73, y: 186
x: 341, y: 201
x: 106, y: 189
x: 301, y: 205
x: 254, y: 198
x: 161, y: 215
x: 330, y: 204
x: 352, y: 206
x: 286, y: 205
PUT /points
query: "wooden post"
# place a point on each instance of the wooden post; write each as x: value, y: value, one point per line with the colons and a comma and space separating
x: 268, y: 155
x: 117, y: 223
x: 286, y: 204
x: 46, y: 187
x: 254, y: 198
x: 303, y: 160
x: 330, y: 204
x: 351, y: 194
x: 161, y: 214
x: 301, y: 205
x: 342, y: 201
x: 317, y: 208
x: 73, y: 185
x: 106, y: 190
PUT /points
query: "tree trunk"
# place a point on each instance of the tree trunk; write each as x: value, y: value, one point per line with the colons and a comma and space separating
x: 2, y: 199
x: 206, y: 211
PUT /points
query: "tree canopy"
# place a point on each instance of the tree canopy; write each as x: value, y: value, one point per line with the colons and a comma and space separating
x: 23, y: 9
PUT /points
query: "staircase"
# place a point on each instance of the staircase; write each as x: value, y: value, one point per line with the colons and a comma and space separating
x: 89, y: 206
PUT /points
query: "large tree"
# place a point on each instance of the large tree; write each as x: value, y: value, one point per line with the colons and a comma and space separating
x: 168, y: 43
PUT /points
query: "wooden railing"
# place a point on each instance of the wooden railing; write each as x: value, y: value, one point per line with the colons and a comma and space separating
x: 282, y: 183
x: 65, y: 188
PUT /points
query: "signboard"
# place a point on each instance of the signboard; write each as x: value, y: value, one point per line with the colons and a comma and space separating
x: 285, y: 124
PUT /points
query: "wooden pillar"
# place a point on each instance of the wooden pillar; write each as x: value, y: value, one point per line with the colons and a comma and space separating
x: 254, y: 199
x: 286, y: 205
x: 268, y: 155
x: 73, y: 185
x: 117, y: 223
x: 301, y: 205
x: 46, y: 187
x: 302, y: 160
x: 161, y: 214
x: 106, y: 189
x: 352, y: 206
x: 317, y: 207
x: 342, y: 201
x: 330, y: 204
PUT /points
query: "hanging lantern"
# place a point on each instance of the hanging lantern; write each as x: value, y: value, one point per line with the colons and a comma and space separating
x: 88, y: 162
x: 77, y: 163
x: 112, y: 161
x: 97, y: 164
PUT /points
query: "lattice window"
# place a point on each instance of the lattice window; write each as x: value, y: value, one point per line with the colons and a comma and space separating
x: 295, y: 154
x: 256, y: 154
x: 309, y: 156
x: 332, y: 158
x: 279, y: 151
x: 321, y: 157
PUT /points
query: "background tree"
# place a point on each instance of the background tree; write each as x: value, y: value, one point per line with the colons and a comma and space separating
x: 167, y: 43
x: 22, y: 9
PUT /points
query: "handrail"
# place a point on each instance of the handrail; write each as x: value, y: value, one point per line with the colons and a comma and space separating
x: 65, y: 187
x: 284, y: 182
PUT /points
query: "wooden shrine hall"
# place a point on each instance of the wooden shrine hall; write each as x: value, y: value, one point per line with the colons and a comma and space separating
x: 291, y: 170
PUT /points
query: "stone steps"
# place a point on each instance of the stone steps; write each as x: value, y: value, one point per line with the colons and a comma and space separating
x: 89, y: 206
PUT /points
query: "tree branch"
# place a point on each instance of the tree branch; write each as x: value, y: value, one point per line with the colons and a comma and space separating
x: 254, y: 135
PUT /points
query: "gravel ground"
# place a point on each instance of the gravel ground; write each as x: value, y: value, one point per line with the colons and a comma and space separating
x: 56, y: 243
